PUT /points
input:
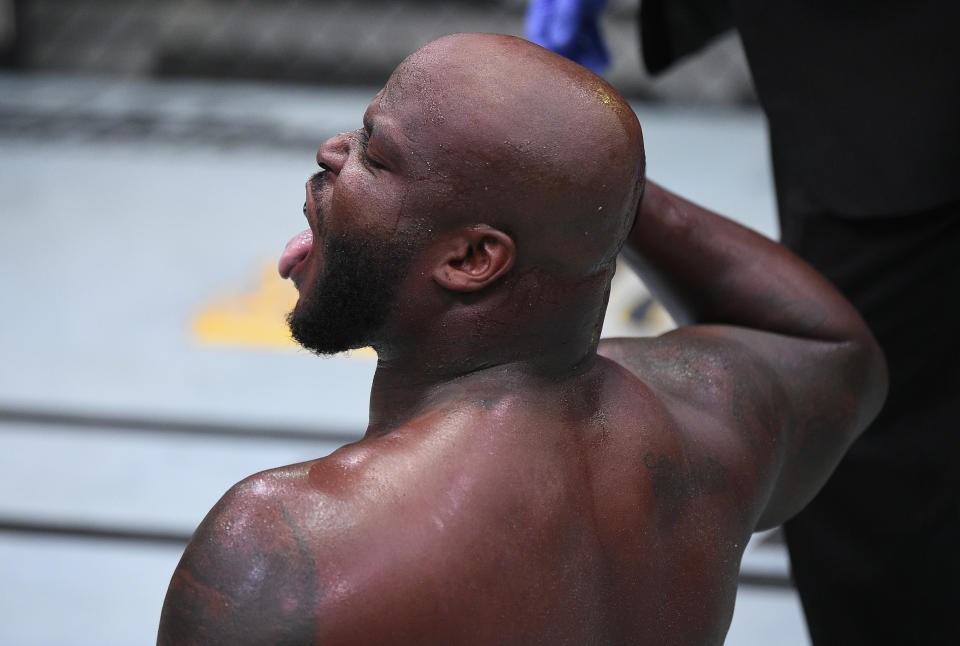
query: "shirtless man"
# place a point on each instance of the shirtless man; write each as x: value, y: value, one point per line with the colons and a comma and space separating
x: 521, y: 482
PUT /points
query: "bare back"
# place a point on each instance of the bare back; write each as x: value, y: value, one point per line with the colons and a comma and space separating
x: 585, y: 512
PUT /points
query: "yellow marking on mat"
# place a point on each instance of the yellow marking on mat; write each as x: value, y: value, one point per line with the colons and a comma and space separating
x: 254, y: 319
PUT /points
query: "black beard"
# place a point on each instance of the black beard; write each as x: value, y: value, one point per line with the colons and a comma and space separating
x: 350, y: 301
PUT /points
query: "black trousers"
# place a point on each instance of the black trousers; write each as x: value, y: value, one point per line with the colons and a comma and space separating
x: 876, y: 555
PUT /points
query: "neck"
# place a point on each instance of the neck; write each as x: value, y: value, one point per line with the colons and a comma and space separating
x: 404, y: 390
x: 530, y: 331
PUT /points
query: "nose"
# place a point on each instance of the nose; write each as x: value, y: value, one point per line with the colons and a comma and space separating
x: 333, y: 153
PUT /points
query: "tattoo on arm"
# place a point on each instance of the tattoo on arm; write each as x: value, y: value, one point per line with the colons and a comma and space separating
x: 243, y: 583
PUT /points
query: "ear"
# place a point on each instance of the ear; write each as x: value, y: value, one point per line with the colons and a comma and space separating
x: 473, y: 258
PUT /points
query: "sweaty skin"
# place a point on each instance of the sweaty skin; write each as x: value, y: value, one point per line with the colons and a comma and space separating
x: 521, y: 482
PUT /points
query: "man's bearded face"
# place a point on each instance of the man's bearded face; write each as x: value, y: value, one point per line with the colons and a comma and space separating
x: 350, y: 300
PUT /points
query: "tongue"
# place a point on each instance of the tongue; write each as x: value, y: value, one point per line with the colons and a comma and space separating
x: 296, y: 250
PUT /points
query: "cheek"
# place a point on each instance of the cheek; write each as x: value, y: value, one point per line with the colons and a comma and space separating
x: 364, y: 202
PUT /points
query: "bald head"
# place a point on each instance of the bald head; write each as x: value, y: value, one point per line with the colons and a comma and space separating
x: 518, y: 138
x: 485, y: 199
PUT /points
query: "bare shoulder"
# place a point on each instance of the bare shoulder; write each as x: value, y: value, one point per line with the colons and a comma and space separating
x: 269, y: 563
x: 784, y: 408
x: 727, y: 403
x: 249, y: 574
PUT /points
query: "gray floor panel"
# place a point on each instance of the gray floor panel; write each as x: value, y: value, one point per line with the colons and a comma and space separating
x: 82, y: 592
x: 130, y: 480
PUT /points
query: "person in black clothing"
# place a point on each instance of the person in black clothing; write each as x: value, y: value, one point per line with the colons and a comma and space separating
x: 863, y: 103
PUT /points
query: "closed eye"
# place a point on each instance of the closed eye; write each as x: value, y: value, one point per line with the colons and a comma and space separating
x: 367, y: 159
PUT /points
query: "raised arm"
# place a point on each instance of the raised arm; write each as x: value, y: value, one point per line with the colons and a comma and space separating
x: 790, y: 348
x: 707, y: 269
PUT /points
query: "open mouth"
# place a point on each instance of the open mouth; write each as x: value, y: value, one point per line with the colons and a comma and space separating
x: 297, y: 251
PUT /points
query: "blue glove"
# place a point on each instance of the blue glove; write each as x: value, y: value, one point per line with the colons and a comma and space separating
x: 569, y: 28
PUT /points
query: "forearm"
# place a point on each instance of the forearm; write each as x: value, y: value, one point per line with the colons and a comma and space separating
x: 705, y: 268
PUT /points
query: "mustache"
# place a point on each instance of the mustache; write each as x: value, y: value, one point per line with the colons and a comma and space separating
x: 317, y: 182
x: 315, y: 185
